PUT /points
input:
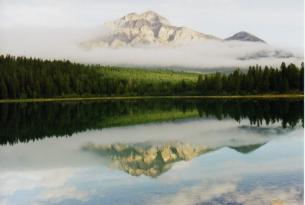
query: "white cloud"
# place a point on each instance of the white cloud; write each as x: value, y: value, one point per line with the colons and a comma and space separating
x: 27, y: 180
x: 270, y: 195
x: 64, y: 44
x: 198, y: 194
x: 229, y: 192
x: 68, y: 192
x: 52, y: 185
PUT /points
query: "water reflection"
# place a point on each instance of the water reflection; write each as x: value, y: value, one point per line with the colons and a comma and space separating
x: 134, y: 153
x: 200, y: 134
x: 23, y: 122
x: 217, y: 169
x: 153, y: 160
x: 143, y: 159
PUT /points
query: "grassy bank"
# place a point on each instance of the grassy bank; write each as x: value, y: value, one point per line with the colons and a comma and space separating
x: 265, y: 96
x: 148, y: 75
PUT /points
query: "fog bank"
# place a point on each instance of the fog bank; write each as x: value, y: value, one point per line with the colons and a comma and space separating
x: 65, y: 44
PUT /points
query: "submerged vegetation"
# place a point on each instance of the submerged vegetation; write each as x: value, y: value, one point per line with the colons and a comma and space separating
x: 22, y: 78
x: 23, y: 122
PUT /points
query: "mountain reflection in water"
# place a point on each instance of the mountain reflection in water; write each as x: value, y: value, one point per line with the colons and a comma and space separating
x: 222, y: 157
x: 139, y: 159
x: 153, y: 160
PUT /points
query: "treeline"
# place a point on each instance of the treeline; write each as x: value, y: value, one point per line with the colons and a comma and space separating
x: 22, y: 77
x: 24, y: 122
x: 256, y: 80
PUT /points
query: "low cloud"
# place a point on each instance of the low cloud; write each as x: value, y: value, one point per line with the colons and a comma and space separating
x: 198, y: 194
x: 228, y: 192
x: 48, y: 185
x: 65, y: 44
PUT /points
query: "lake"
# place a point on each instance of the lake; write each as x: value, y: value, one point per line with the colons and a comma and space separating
x: 152, y: 152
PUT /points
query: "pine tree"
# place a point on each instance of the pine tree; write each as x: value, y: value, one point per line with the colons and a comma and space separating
x: 3, y: 89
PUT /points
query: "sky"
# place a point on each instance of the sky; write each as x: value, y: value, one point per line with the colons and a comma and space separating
x: 54, y: 29
x: 279, y: 22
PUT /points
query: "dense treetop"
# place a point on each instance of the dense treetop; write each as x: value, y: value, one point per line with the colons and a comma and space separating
x: 22, y: 77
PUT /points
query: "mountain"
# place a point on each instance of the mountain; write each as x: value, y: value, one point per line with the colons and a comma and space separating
x: 148, y: 28
x: 148, y: 160
x: 244, y: 36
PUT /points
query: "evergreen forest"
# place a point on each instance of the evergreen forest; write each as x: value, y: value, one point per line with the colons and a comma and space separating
x: 22, y: 77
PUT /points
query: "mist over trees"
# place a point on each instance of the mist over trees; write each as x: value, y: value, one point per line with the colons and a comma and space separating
x: 22, y: 77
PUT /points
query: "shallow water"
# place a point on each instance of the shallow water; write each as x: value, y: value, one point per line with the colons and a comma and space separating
x: 182, y: 152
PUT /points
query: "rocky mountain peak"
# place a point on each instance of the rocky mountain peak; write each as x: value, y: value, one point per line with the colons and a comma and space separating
x: 149, y: 18
x: 154, y: 17
x: 148, y: 28
x: 244, y: 36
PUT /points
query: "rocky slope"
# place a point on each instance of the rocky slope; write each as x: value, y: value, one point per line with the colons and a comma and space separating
x: 148, y: 28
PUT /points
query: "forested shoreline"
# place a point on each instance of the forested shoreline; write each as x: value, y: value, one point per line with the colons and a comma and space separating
x: 22, y: 78
x: 24, y: 122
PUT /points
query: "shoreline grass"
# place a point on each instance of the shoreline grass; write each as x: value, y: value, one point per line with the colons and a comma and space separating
x: 262, y: 96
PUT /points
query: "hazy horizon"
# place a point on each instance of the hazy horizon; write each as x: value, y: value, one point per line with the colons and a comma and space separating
x: 54, y: 30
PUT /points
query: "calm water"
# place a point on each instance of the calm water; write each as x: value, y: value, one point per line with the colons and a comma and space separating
x: 152, y: 152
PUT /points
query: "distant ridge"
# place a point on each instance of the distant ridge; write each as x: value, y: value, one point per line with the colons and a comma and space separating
x: 244, y: 36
